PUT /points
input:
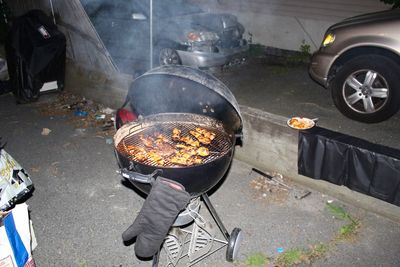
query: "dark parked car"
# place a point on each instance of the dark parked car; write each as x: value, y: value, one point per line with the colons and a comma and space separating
x: 182, y: 33
x: 359, y: 61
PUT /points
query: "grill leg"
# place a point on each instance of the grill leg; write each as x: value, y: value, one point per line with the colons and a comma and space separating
x: 214, y: 214
x: 155, y: 259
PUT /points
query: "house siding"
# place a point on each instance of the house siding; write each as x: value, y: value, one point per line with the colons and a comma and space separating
x: 288, y: 24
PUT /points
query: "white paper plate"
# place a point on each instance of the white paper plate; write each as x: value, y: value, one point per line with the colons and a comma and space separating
x: 300, y: 123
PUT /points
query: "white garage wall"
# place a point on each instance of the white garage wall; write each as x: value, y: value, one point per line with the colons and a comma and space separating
x: 286, y: 23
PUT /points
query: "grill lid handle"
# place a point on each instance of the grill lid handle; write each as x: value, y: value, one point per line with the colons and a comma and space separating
x: 139, y: 177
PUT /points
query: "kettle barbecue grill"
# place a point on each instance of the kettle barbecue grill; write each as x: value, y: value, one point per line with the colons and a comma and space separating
x: 181, y: 97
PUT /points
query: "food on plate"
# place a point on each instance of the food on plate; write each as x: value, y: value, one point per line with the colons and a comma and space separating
x: 301, y: 123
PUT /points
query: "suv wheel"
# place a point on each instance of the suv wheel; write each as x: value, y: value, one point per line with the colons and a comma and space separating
x: 367, y: 88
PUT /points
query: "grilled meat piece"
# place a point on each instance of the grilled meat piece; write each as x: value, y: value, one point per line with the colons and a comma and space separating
x: 206, y: 133
x: 178, y: 160
x: 205, y: 137
x: 195, y: 160
x: 203, y: 151
x: 147, y: 141
x: 189, y: 141
x: 162, y: 138
x: 139, y: 153
x: 165, y: 149
x: 156, y: 157
x: 195, y: 134
x: 176, y: 134
x: 204, y: 140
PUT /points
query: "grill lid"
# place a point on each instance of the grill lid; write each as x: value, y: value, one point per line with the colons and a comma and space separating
x: 181, y: 89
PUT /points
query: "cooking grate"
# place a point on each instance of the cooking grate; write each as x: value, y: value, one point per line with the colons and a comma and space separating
x: 217, y: 148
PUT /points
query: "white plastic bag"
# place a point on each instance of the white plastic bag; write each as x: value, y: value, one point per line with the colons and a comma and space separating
x: 14, y: 181
x: 16, y: 238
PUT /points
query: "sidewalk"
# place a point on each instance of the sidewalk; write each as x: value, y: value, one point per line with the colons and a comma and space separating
x: 80, y: 207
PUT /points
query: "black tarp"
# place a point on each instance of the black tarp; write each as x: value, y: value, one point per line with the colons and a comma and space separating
x: 35, y: 52
x: 341, y: 159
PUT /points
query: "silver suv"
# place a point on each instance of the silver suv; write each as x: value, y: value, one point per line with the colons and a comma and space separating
x: 359, y: 61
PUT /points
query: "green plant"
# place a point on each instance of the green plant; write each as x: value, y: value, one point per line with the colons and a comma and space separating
x: 83, y: 263
x: 291, y: 257
x: 256, y: 50
x: 305, y: 49
x: 303, y: 56
x: 256, y: 260
x: 347, y: 231
x: 338, y: 212
x: 296, y: 256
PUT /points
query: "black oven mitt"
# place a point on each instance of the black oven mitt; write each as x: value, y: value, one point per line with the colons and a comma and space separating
x: 160, y: 209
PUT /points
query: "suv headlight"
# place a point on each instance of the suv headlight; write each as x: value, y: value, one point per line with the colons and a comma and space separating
x: 329, y: 39
x: 196, y: 36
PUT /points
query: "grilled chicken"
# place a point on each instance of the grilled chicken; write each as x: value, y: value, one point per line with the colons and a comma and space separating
x: 139, y: 153
x: 176, y: 134
x: 205, y: 137
x: 177, y: 149
x: 207, y: 134
x: 156, y: 157
x: 195, y: 160
x: 178, y: 160
x: 161, y: 138
x: 147, y: 141
x: 165, y: 149
x: 189, y: 141
x: 203, y: 151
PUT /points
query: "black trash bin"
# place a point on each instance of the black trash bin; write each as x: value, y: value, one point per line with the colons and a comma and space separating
x: 35, y: 52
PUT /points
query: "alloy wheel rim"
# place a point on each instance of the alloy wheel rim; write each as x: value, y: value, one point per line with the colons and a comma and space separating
x: 365, y: 91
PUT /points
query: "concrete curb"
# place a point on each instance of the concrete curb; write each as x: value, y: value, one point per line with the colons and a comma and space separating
x: 270, y: 145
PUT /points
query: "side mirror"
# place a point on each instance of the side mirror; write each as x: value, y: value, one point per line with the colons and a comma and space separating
x: 138, y: 16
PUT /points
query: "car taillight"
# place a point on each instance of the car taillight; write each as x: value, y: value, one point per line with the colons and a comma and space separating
x: 124, y: 116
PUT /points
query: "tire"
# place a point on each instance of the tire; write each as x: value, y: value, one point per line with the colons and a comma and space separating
x: 367, y: 88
